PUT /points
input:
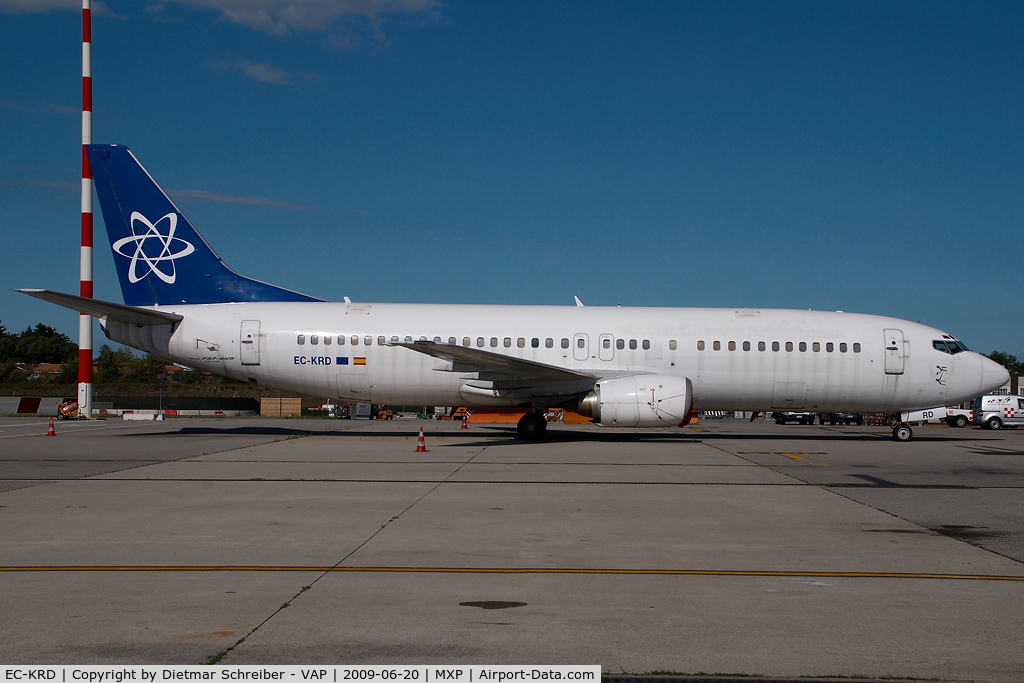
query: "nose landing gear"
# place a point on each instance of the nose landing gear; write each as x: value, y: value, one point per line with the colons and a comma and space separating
x: 902, y: 432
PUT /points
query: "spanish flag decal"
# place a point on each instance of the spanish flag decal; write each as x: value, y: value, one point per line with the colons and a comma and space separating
x: 358, y: 361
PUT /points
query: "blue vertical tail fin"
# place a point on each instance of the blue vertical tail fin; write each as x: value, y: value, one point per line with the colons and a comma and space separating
x: 159, y: 256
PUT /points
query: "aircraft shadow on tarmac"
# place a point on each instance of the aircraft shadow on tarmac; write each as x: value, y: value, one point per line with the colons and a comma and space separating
x: 507, y: 434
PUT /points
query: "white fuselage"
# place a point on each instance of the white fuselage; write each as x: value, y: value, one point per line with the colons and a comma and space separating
x: 824, y: 361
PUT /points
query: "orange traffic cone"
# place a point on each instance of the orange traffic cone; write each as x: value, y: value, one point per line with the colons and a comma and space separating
x: 421, y: 446
x: 465, y: 424
x: 50, y: 432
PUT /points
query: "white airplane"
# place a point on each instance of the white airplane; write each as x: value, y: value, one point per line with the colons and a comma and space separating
x: 623, y: 367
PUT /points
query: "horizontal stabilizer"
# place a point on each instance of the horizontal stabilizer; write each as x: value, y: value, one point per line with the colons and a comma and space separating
x: 105, y: 309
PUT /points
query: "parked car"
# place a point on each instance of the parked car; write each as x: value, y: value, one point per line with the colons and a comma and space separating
x: 996, y: 411
x: 844, y: 418
x: 782, y: 417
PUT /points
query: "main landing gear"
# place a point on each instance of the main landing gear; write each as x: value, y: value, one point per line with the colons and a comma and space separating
x: 902, y: 432
x: 532, y: 426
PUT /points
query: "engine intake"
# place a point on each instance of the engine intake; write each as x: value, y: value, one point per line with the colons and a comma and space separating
x: 639, y: 401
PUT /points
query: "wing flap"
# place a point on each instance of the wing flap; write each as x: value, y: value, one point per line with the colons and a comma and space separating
x: 493, y: 366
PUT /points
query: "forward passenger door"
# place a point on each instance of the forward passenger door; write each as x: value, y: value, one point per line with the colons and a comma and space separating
x: 895, y: 350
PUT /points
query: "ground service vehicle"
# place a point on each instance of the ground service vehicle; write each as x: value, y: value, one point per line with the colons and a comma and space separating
x: 782, y: 417
x: 841, y: 418
x: 995, y: 411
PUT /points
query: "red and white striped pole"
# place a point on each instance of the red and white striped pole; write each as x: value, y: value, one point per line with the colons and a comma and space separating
x: 85, y: 321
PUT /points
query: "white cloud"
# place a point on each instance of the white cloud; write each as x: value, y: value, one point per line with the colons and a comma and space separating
x: 39, y: 6
x: 263, y: 72
x: 213, y: 197
x: 284, y: 17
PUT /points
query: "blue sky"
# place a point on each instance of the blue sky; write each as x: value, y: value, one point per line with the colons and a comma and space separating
x: 861, y: 156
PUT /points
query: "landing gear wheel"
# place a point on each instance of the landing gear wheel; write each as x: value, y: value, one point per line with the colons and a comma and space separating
x: 532, y: 426
x: 902, y: 432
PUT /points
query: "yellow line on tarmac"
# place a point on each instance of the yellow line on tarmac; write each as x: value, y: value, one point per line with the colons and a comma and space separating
x: 517, y: 570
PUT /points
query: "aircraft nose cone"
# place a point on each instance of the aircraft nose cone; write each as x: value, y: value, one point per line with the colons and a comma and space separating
x: 993, y: 375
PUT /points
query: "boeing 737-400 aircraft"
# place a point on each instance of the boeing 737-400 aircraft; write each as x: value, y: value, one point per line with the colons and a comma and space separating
x: 623, y: 367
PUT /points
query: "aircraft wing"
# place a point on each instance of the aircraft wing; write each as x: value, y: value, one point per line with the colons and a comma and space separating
x: 105, y: 309
x: 492, y: 365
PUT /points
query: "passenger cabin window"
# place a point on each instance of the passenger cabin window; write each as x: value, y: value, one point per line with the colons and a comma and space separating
x: 301, y: 339
x: 620, y: 344
x: 606, y: 343
x: 717, y: 346
x: 803, y: 347
x: 632, y: 344
x: 313, y: 339
x: 535, y: 343
x: 382, y: 340
x: 672, y: 345
x: 789, y: 346
x: 775, y: 346
x: 580, y: 343
x: 367, y: 340
x: 700, y: 345
x: 466, y: 341
x: 746, y: 346
x: 354, y: 340
x: 842, y: 347
x: 549, y: 343
x: 408, y: 339
x: 760, y: 346
x: 856, y: 348
x: 508, y: 342
x: 437, y: 340
x: 732, y: 346
x: 816, y: 347
x: 565, y: 343
x: 480, y: 342
x: 327, y: 339
x: 452, y: 341
x: 394, y: 338
x: 830, y: 347
x: 341, y: 340
x: 494, y: 342
x: 647, y: 344
x: 521, y: 343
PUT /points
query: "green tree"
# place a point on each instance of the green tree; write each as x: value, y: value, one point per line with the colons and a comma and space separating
x: 7, y: 371
x: 1008, y: 361
x: 41, y: 344
x: 69, y: 370
x: 144, y: 370
x: 113, y: 365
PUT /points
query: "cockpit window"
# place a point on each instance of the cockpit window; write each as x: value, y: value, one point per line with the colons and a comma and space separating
x: 949, y: 346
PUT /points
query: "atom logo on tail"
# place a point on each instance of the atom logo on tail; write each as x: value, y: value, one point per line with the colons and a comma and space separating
x: 167, y: 244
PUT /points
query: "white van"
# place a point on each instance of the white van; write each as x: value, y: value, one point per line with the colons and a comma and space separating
x: 997, y: 410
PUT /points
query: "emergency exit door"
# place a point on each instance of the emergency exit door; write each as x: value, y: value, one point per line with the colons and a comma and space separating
x: 250, y: 342
x: 895, y: 352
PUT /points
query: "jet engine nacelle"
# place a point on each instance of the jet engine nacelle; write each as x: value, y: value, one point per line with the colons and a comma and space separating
x: 639, y: 401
